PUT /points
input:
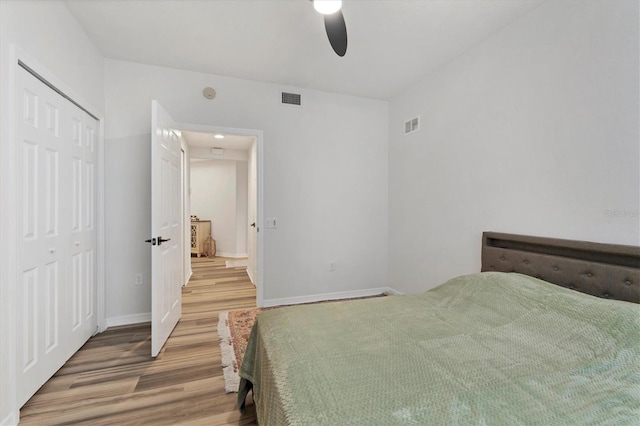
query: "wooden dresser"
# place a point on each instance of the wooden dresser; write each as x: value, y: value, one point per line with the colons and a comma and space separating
x: 200, y: 237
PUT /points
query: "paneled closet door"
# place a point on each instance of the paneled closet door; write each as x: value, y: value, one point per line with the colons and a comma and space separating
x: 55, y: 146
x: 82, y: 238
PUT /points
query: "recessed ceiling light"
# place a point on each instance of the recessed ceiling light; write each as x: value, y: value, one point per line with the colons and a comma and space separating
x: 218, y: 136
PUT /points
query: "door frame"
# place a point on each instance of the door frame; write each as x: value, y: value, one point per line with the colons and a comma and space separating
x: 8, y: 217
x: 184, y: 213
x: 258, y: 134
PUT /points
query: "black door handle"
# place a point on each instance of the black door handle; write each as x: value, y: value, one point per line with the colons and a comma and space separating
x: 152, y: 241
x: 161, y: 240
x: 253, y: 224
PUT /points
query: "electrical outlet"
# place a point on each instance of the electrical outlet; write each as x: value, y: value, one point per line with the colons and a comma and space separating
x: 138, y: 279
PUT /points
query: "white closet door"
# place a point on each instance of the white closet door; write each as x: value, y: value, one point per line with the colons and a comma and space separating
x: 56, y: 265
x: 80, y: 301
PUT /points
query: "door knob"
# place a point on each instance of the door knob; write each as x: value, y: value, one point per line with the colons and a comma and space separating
x: 253, y: 224
x: 162, y: 240
x: 152, y: 241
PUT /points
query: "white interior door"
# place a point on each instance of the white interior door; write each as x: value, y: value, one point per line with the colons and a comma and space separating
x: 56, y: 148
x: 252, y: 215
x: 166, y: 280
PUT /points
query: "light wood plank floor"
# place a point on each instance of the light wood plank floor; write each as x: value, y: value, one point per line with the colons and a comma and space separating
x: 114, y: 380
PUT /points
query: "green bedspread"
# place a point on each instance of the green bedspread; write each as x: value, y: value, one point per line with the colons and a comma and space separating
x: 487, y: 348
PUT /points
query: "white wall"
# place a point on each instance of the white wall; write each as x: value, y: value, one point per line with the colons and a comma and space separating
x: 325, y: 178
x: 242, y: 186
x: 533, y: 131
x: 128, y: 223
x: 46, y: 32
x: 215, y: 193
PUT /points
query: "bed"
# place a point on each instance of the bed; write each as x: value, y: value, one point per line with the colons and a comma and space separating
x: 522, y: 342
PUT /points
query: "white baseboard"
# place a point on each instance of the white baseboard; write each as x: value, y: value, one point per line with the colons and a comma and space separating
x: 393, y: 291
x: 251, y: 277
x: 11, y: 419
x: 188, y: 278
x: 128, y: 319
x: 146, y: 317
x: 329, y: 296
x: 231, y: 255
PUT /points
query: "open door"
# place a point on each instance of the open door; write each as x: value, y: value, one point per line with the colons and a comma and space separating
x: 166, y: 279
x: 252, y: 215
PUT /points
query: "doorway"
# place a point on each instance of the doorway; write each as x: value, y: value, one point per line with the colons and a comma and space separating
x: 224, y: 186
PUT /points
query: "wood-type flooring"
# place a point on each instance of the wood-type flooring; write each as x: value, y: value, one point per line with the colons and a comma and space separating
x: 112, y: 379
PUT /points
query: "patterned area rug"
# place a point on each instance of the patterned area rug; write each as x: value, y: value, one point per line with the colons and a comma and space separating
x: 234, y: 328
x: 233, y: 331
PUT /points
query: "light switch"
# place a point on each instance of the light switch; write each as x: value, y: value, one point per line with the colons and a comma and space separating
x: 271, y: 223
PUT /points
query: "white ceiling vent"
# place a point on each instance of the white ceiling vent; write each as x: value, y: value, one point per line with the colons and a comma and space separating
x: 291, y: 99
x: 412, y: 125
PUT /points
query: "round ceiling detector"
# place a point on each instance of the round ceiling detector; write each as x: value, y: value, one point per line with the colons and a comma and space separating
x: 209, y: 93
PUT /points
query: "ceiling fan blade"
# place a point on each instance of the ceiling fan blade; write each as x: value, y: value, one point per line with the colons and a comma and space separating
x: 337, y: 32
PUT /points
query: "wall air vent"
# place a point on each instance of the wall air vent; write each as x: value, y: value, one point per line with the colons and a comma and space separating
x: 291, y: 99
x: 412, y: 125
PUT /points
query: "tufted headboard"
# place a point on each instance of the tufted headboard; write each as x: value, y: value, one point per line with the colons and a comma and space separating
x: 605, y: 270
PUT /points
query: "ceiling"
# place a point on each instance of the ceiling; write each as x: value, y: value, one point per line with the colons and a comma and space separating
x: 207, y: 140
x: 392, y: 43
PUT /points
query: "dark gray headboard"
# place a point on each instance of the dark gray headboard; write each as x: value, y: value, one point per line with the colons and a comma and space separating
x: 610, y: 271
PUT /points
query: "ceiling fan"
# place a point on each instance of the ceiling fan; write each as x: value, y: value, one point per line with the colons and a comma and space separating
x: 333, y: 23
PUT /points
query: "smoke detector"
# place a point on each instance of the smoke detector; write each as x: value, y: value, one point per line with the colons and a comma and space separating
x: 209, y: 93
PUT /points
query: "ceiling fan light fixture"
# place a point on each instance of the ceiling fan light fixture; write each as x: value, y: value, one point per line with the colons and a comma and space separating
x: 327, y: 7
